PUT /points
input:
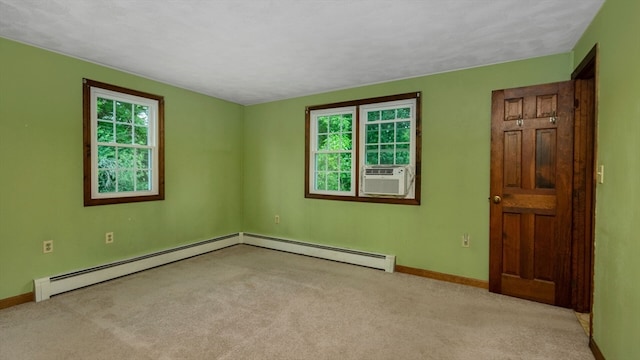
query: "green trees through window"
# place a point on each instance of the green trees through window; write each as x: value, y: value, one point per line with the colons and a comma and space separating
x: 333, y: 156
x: 120, y: 126
x: 388, y: 138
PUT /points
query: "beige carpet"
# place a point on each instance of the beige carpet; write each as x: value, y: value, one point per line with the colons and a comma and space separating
x: 245, y: 302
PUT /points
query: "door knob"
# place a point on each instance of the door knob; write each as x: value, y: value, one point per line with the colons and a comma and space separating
x: 497, y: 199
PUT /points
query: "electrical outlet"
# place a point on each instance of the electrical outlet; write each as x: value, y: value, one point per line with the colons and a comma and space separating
x: 47, y: 246
x: 277, y: 219
x: 108, y: 238
x: 466, y: 240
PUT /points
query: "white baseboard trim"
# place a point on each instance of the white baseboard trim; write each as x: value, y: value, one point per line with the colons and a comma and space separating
x: 46, y: 287
x: 350, y: 256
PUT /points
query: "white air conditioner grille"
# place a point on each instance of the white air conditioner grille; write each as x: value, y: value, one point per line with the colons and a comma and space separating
x: 382, y: 186
x: 385, y: 180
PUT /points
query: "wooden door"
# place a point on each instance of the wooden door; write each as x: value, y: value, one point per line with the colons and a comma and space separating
x: 531, y: 200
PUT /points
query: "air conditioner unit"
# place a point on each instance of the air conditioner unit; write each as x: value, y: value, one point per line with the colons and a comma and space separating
x: 385, y: 180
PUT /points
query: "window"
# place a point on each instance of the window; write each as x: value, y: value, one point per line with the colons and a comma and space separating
x: 123, y: 145
x: 364, y: 150
x: 333, y: 152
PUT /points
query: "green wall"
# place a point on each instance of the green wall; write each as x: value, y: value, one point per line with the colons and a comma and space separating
x: 616, y: 308
x: 261, y: 150
x: 41, y: 171
x: 456, y: 121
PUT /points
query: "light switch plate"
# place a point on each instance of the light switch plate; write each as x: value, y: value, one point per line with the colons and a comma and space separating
x: 601, y: 174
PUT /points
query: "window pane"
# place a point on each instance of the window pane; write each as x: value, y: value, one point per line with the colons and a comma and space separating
x: 388, y: 114
x: 373, y: 134
x: 106, y: 181
x: 106, y: 157
x: 125, y: 158
x: 125, y: 180
x: 123, y: 133
x: 403, y: 131
x: 373, y: 115
x: 347, y: 122
x: 345, y: 162
x: 402, y: 154
x: 141, y: 135
x: 143, y: 157
x: 334, y: 123
x: 141, y: 115
x: 124, y: 112
x: 332, y: 181
x: 322, y: 142
x: 332, y: 162
x: 386, y: 154
x: 404, y: 113
x: 321, y: 162
x: 142, y: 180
x: 105, y: 131
x: 346, y: 142
x: 345, y: 181
x: 336, y: 142
x: 323, y: 124
x: 372, y: 154
x: 105, y: 109
x: 321, y: 181
x: 387, y: 133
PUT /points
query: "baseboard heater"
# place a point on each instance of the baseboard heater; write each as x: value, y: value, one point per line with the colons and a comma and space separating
x: 46, y: 287
x: 368, y: 259
x: 49, y: 286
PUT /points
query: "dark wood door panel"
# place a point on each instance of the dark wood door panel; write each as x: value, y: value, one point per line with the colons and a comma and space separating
x: 544, y: 244
x: 545, y: 164
x: 529, y: 203
x: 513, y: 158
x: 536, y: 290
x: 531, y: 172
x: 511, y: 244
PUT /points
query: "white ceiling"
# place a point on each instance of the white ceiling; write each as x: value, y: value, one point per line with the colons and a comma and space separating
x: 255, y: 51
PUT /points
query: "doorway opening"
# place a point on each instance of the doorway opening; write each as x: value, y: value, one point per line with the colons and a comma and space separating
x: 543, y: 190
x: 585, y: 77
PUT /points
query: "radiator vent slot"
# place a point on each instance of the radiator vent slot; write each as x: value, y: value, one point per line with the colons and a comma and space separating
x: 378, y: 171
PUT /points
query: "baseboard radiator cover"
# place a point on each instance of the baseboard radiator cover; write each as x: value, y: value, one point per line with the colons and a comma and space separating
x: 350, y: 256
x: 46, y: 287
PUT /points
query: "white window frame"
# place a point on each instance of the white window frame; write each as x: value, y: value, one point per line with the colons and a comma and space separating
x: 152, y: 141
x: 313, y: 141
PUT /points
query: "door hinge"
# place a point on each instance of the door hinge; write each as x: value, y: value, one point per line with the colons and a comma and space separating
x: 576, y: 103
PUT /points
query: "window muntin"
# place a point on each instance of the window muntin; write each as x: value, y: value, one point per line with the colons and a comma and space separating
x: 387, y: 133
x: 123, y: 137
